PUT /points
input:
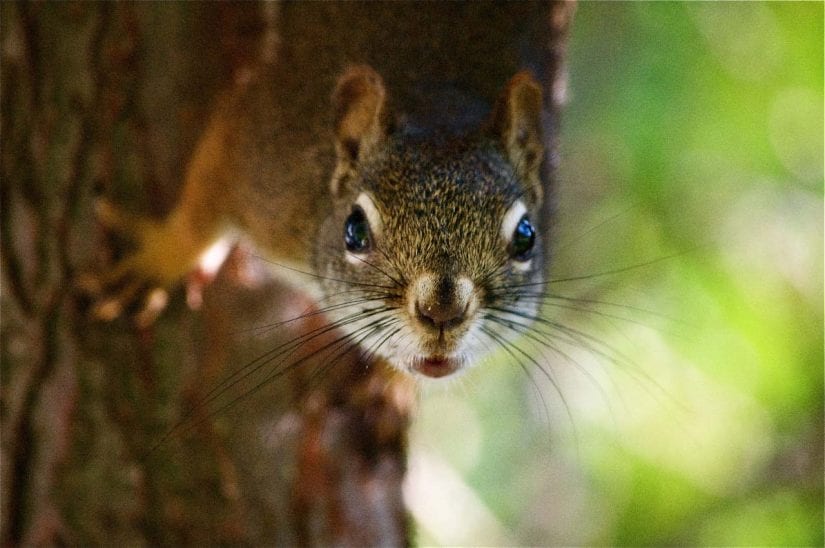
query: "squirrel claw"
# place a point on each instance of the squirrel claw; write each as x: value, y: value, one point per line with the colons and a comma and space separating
x: 107, y: 310
x: 152, y: 302
x: 153, y: 305
x: 88, y: 284
x: 116, y: 219
x: 129, y: 286
x: 162, y: 253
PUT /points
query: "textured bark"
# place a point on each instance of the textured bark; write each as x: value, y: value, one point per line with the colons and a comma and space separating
x: 109, y: 99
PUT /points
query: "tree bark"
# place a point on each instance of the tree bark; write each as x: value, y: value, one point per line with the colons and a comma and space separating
x: 109, y: 99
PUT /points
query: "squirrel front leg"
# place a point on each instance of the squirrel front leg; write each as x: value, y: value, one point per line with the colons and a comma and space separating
x: 166, y: 250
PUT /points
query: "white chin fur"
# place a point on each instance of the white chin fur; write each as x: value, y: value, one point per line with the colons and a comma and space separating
x: 403, y: 354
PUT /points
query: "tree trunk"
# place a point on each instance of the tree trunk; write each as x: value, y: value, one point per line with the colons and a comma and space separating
x: 109, y: 99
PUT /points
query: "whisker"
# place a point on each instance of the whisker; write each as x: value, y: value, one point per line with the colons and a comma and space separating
x: 620, y: 270
x: 309, y: 314
x: 592, y: 229
x: 369, y: 329
x: 285, y: 349
x: 547, y: 340
x: 318, y: 276
x: 543, y: 296
x: 547, y: 301
x: 295, y: 343
x: 597, y: 274
x: 599, y: 347
x: 398, y: 271
x: 533, y: 381
x: 511, y: 348
x: 186, y: 425
x: 506, y: 345
x: 359, y: 334
x: 399, y: 279
x: 378, y: 269
x: 246, y: 393
x: 372, y: 352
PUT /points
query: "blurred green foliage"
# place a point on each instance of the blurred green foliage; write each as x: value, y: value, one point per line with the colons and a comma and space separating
x: 693, y: 138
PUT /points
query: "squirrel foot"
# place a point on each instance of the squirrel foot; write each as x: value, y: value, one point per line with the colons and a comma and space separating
x: 137, y: 283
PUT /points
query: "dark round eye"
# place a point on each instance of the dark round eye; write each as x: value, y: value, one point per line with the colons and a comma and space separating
x: 357, y: 231
x: 524, y: 238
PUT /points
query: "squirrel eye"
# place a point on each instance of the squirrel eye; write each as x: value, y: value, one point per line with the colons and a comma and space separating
x: 524, y: 238
x: 357, y: 231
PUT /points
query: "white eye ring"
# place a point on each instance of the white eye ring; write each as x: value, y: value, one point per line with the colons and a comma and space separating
x: 511, y: 220
x: 508, y: 228
x: 365, y: 202
x: 373, y: 216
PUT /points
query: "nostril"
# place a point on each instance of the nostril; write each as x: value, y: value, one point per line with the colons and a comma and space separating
x: 423, y: 317
x: 440, y: 315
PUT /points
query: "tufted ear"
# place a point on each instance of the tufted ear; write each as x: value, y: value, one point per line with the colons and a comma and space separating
x: 360, y: 117
x: 516, y: 124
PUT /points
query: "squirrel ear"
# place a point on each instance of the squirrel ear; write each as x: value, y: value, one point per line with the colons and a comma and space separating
x: 516, y: 123
x: 360, y: 114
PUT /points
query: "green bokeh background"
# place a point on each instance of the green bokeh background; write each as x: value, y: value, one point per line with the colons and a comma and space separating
x: 693, y: 141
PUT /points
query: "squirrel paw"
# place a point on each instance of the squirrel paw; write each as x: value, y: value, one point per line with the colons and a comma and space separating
x: 136, y: 283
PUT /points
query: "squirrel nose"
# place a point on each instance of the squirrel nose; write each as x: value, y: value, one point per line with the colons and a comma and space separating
x: 440, y: 314
x: 442, y: 302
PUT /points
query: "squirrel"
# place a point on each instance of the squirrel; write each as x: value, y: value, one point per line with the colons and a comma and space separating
x: 410, y: 205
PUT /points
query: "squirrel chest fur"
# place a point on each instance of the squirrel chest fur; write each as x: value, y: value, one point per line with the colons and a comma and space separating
x: 390, y: 156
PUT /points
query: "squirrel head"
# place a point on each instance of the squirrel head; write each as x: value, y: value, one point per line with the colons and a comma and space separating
x: 432, y: 246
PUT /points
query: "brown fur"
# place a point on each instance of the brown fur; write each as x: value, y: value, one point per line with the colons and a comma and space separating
x: 286, y: 154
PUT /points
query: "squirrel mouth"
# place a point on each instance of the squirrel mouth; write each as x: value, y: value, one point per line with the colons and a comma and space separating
x: 436, y: 366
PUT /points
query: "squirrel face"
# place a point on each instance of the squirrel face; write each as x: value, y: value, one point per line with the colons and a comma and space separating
x: 430, y: 234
